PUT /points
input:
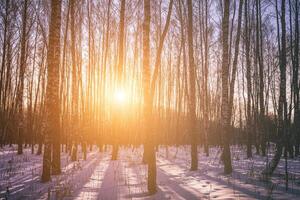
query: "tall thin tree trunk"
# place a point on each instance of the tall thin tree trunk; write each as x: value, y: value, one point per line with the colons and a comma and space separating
x: 119, y: 71
x: 282, y: 107
x: 261, y: 134
x: 249, y: 84
x: 5, y: 31
x: 149, y: 143
x: 235, y: 58
x: 225, y: 120
x: 52, y: 91
x: 157, y: 64
x: 75, y: 88
x: 192, y: 94
x: 206, y: 101
x: 21, y: 80
x: 296, y: 79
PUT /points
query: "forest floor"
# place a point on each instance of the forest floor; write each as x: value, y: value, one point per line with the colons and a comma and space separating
x: 126, y: 178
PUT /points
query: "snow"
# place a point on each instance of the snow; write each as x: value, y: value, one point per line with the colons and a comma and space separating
x: 126, y: 178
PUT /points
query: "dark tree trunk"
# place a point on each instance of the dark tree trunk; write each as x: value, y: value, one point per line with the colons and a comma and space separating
x: 249, y: 84
x: 149, y: 152
x: 225, y: 121
x: 259, y: 48
x: 296, y: 80
x: 5, y: 34
x: 52, y: 91
x: 21, y: 81
x: 235, y: 58
x: 75, y: 85
x: 192, y: 94
x: 282, y: 107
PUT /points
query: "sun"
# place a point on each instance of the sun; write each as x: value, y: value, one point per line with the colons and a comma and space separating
x: 120, y: 96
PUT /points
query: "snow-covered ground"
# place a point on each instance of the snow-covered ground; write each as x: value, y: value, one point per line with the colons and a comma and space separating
x: 126, y: 178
